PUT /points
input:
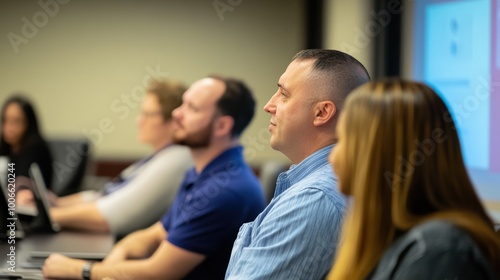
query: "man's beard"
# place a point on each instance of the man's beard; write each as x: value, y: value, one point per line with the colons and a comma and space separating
x: 199, y: 139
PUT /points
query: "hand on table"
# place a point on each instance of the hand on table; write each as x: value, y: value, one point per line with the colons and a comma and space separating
x: 57, y: 266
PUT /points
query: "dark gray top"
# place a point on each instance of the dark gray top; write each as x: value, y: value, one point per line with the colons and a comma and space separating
x: 434, y: 250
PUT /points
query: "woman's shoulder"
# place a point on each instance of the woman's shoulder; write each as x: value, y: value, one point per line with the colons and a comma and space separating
x: 438, y: 237
x: 435, y: 247
x: 174, y: 154
x: 438, y: 232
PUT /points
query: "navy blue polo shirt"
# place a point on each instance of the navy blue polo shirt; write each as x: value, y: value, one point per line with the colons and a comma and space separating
x: 210, y: 208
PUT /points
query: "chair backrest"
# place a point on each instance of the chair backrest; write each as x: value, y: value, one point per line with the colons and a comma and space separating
x: 70, y: 160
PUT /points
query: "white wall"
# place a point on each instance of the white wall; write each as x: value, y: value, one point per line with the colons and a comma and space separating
x: 87, y: 60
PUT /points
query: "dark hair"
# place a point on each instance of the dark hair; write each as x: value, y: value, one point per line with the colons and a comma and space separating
x: 237, y: 101
x: 32, y: 133
x: 342, y: 72
x: 169, y: 94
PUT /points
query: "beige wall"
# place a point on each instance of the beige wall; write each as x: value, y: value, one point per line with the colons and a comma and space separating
x: 352, y: 26
x: 85, y: 62
x: 406, y: 44
x: 346, y: 29
x: 85, y: 66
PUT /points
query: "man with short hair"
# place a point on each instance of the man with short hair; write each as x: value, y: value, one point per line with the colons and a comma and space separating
x: 296, y: 235
x: 194, y: 239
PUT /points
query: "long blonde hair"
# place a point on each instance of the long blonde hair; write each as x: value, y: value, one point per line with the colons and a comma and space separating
x: 403, y: 166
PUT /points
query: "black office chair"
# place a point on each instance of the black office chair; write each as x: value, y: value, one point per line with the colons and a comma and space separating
x: 70, y: 159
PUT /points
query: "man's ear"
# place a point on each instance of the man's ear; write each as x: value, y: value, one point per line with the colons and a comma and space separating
x: 324, y: 111
x: 223, y: 126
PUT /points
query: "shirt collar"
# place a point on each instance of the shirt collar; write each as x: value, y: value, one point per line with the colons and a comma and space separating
x: 297, y: 172
x: 226, y: 160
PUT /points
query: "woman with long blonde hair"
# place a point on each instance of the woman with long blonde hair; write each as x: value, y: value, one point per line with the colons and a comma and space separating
x: 415, y: 214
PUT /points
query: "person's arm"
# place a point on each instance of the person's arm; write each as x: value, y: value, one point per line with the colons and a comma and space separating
x: 25, y: 198
x: 131, y: 207
x: 24, y: 195
x: 86, y: 217
x: 168, y: 262
x: 140, y: 244
x: 76, y: 198
x: 295, y: 240
x: 69, y: 200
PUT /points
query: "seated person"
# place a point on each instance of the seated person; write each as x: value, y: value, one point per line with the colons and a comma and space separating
x: 140, y: 195
x: 194, y: 238
x: 415, y: 214
x: 21, y: 143
x: 295, y: 237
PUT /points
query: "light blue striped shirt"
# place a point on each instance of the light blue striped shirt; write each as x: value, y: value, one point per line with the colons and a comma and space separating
x: 295, y: 237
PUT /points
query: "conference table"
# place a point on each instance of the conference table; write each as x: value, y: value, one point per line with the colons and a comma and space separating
x: 27, y: 255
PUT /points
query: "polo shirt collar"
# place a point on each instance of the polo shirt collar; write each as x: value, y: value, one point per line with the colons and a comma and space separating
x: 233, y: 156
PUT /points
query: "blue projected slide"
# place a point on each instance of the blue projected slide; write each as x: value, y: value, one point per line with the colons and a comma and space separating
x: 457, y: 59
x: 456, y: 50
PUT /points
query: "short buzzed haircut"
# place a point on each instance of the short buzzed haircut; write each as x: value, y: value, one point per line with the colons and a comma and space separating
x: 340, y: 72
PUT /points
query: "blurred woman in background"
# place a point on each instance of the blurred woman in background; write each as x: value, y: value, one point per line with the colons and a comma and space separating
x: 144, y: 191
x: 21, y: 142
x: 415, y: 214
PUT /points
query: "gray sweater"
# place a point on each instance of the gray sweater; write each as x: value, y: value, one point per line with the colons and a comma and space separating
x: 148, y: 194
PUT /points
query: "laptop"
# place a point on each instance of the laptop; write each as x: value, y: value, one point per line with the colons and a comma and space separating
x: 72, y: 244
x: 42, y: 222
x: 38, y: 245
x: 11, y: 224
